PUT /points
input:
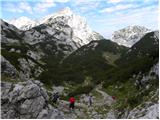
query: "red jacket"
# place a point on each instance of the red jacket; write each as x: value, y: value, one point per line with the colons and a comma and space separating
x: 72, y: 100
x: 113, y: 97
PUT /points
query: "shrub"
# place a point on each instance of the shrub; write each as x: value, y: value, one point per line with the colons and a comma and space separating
x: 81, y: 90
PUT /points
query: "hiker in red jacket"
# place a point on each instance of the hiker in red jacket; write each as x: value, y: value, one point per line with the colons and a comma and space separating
x: 114, y: 97
x: 72, y: 101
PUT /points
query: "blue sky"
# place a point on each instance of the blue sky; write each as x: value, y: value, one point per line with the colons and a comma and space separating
x: 103, y: 16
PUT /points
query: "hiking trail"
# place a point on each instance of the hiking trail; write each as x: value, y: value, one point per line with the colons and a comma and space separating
x: 81, y: 108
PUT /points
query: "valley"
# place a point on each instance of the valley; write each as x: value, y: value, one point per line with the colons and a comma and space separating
x: 61, y: 53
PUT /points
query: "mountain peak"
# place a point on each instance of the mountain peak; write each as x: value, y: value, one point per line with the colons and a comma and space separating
x: 129, y: 35
x: 81, y: 32
x: 22, y: 22
x: 62, y: 12
x: 137, y: 27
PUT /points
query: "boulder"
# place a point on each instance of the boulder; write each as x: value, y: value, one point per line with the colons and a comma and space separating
x: 23, y: 100
x: 149, y: 111
x: 7, y: 68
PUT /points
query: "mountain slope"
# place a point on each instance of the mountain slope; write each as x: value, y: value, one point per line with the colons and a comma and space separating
x: 135, y: 81
x: 37, y: 48
x: 148, y: 45
x: 130, y: 35
x: 9, y: 33
x: 93, y: 59
x: 17, y: 47
x: 139, y: 58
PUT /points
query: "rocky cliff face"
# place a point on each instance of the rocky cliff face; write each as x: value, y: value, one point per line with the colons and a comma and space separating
x: 7, y: 68
x: 9, y: 33
x: 23, y: 100
x: 150, y: 108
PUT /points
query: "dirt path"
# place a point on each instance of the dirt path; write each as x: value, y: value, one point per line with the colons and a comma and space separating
x: 106, y: 98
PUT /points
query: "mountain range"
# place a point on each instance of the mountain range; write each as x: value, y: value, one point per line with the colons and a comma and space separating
x: 126, y: 36
x: 62, y: 53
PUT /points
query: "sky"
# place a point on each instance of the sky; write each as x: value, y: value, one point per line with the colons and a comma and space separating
x: 103, y: 16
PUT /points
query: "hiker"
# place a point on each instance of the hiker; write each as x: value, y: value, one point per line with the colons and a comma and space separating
x: 139, y: 84
x: 90, y: 100
x: 114, y: 97
x: 55, y: 97
x: 72, y: 101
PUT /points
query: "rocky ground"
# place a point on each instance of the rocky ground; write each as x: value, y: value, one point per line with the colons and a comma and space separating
x: 31, y: 100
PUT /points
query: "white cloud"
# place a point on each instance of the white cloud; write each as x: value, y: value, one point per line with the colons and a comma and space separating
x: 20, y: 7
x: 88, y: 7
x: 43, y: 6
x: 150, y: 0
x: 116, y: 8
x: 11, y: 8
x: 84, y: 2
x: 114, y: 1
x: 40, y: 6
x: 25, y: 7
x: 61, y: 1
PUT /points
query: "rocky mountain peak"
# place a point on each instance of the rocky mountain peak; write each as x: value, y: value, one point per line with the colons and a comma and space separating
x: 129, y: 35
x: 135, y: 28
x: 23, y: 23
x: 82, y: 33
x: 62, y: 12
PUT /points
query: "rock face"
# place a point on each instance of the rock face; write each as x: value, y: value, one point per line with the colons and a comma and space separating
x: 147, y: 110
x: 9, y: 33
x: 7, y: 68
x: 23, y: 100
x: 155, y: 69
x: 152, y: 75
x: 82, y: 33
x: 150, y: 111
x: 129, y: 35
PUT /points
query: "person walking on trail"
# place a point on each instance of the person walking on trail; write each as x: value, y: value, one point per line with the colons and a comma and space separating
x: 90, y: 100
x: 55, y: 97
x: 71, y: 101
